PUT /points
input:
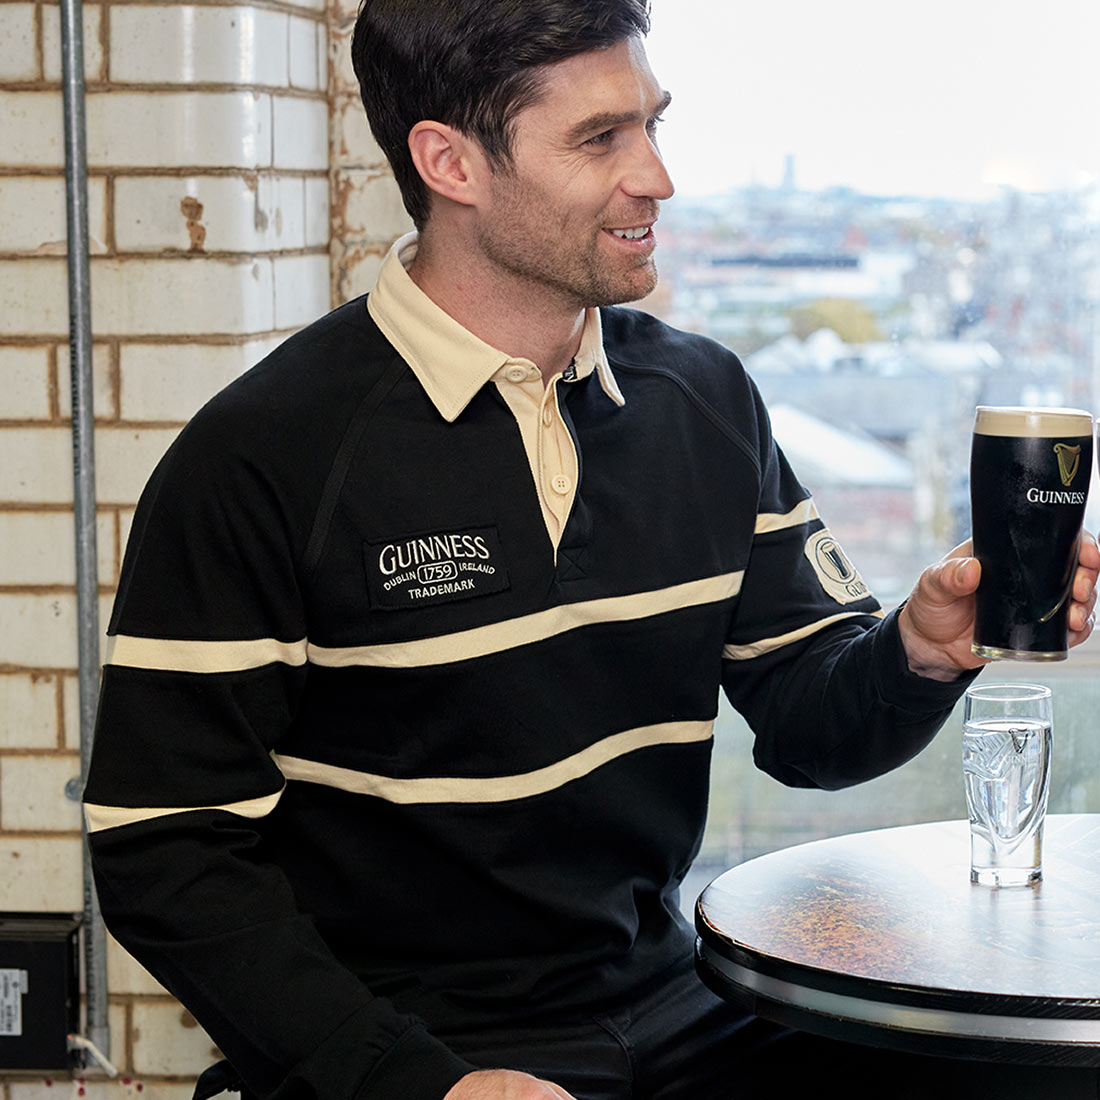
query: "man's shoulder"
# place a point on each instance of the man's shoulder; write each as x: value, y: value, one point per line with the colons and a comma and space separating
x: 312, y: 374
x: 636, y: 341
x: 343, y: 348
x: 293, y: 407
x: 637, y: 338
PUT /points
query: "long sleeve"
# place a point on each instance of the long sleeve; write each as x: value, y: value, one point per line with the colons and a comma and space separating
x: 205, y: 676
x: 818, y: 671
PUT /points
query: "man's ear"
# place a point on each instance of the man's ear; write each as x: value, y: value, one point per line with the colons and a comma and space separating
x: 449, y: 162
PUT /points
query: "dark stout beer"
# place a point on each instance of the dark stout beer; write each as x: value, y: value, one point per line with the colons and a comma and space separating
x: 1029, y: 477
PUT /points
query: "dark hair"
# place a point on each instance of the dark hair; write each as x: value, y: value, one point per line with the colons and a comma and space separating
x: 470, y: 64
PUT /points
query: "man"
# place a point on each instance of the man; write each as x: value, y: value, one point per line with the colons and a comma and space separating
x: 404, y: 738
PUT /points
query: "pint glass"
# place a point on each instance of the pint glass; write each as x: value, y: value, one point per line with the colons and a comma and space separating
x: 1029, y: 476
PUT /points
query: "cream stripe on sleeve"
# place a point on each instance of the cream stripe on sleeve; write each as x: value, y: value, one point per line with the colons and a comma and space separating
x: 767, y: 645
x: 171, y: 655
x: 803, y: 512
x: 109, y: 817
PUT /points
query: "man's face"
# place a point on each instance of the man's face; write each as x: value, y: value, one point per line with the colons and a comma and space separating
x: 573, y: 216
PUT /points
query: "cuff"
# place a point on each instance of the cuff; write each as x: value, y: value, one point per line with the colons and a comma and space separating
x: 418, y: 1065
x: 900, y: 687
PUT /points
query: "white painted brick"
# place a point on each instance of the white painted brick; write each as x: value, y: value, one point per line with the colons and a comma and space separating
x: 322, y: 57
x: 36, y: 118
x: 32, y: 793
x: 24, y: 383
x: 41, y: 874
x: 104, y: 399
x: 299, y: 132
x: 179, y: 129
x: 136, y: 297
x: 301, y: 289
x: 343, y: 80
x: 18, y: 59
x: 34, y: 296
x: 36, y: 465
x: 168, y: 1042
x: 126, y: 975
x: 317, y: 226
x: 285, y: 196
x: 302, y: 50
x: 172, y: 381
x: 40, y: 548
x: 51, y: 42
x: 32, y: 214
x: 236, y: 214
x: 39, y: 631
x: 357, y: 274
x: 28, y: 711
x: 195, y: 44
x: 343, y: 12
x: 372, y: 209
x: 70, y: 694
x: 353, y: 145
x: 125, y: 458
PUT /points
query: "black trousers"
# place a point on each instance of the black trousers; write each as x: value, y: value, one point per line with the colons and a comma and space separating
x: 681, y: 1042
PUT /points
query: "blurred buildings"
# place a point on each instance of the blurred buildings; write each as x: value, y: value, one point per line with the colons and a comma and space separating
x: 873, y: 326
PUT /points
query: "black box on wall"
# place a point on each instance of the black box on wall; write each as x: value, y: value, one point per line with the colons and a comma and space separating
x: 39, y: 990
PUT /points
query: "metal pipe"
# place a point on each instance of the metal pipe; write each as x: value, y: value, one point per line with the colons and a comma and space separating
x: 84, y: 497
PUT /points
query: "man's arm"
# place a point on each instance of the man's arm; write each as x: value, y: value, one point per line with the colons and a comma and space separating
x: 205, y: 676
x: 937, y: 622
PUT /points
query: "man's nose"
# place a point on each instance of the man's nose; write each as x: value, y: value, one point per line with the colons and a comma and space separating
x: 647, y: 176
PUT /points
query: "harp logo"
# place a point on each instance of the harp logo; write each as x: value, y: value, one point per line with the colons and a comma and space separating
x: 835, y: 572
x: 1069, y: 461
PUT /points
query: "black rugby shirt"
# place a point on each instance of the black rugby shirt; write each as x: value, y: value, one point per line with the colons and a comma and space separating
x: 381, y: 757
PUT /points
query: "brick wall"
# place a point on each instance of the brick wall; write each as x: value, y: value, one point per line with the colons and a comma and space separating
x: 216, y: 132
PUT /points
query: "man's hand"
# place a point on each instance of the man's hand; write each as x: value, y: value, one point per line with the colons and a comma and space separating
x: 937, y: 623
x: 504, y: 1084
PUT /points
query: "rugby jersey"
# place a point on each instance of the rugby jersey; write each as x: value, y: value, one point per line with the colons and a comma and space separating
x: 381, y: 758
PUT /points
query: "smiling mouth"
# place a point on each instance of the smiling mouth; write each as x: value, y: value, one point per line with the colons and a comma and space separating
x: 635, y: 234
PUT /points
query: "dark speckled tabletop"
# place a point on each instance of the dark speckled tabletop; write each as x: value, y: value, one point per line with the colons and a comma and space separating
x: 881, y: 937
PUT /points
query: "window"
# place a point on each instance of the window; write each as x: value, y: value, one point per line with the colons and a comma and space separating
x: 891, y: 213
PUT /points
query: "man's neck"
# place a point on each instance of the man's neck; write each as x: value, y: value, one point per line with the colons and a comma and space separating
x: 523, y: 325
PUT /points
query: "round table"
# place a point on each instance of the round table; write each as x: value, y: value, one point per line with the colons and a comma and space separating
x: 881, y: 938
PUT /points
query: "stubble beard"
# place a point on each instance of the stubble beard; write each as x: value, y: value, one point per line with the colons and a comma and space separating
x: 578, y: 276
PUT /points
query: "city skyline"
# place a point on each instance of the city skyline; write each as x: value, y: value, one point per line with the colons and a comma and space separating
x: 941, y: 98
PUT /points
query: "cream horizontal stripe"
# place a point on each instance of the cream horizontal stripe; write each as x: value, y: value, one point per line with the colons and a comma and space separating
x: 110, y: 817
x: 773, y: 521
x: 171, y: 655
x: 767, y: 645
x: 502, y: 788
x: 497, y: 637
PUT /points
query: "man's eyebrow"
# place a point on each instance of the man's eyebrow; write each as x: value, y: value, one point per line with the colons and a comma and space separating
x: 607, y: 120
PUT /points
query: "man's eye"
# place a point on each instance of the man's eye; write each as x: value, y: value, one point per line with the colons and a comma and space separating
x: 652, y: 124
x: 601, y: 138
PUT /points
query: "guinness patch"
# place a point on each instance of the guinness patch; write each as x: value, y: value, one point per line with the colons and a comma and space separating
x: 422, y: 570
x: 837, y: 574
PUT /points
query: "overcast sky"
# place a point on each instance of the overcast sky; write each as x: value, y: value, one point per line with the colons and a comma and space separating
x: 949, y: 97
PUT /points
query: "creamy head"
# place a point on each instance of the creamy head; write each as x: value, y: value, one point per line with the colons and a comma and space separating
x: 1031, y: 423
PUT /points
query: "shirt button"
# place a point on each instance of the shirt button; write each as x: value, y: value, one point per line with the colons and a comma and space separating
x: 548, y: 416
x: 561, y: 484
x: 516, y: 374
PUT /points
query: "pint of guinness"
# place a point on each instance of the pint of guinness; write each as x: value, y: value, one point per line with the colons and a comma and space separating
x: 1029, y: 477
